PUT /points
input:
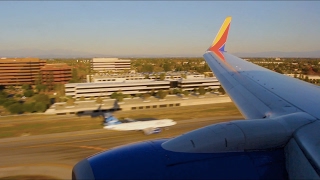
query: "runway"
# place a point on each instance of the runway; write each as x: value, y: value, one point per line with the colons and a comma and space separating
x: 56, y: 154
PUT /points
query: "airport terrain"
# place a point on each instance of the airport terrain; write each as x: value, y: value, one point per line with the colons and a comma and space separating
x: 56, y: 154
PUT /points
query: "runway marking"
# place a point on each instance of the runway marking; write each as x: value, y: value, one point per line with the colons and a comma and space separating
x: 84, y: 147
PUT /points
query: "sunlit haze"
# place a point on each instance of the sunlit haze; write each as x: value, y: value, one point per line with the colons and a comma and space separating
x: 162, y: 28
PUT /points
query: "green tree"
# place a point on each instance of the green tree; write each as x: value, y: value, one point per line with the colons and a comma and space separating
x: 41, y: 87
x: 15, y: 108
x: 186, y: 93
x: 70, y: 102
x: 120, y: 97
x: 166, y: 67
x: 99, y: 100
x: 162, y: 94
x: 42, y: 98
x: 8, y: 102
x: 162, y: 76
x: 28, y: 93
x: 26, y: 87
x: 202, y: 91
x: 29, y: 107
x: 39, y: 79
x: 59, y: 89
x: 195, y: 90
x: 82, y: 98
x: 146, y: 96
x: 40, y: 107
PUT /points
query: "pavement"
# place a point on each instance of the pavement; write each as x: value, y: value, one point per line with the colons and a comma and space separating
x: 56, y: 154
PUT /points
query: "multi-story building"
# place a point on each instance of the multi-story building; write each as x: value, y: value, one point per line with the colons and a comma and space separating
x: 197, y: 81
x: 108, y: 85
x: 56, y: 73
x: 17, y: 71
x: 110, y: 64
x: 131, y: 87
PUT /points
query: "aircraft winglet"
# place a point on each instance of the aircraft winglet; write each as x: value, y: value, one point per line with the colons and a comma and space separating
x: 219, y: 41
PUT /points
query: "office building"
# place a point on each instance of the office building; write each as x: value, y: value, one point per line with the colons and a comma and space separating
x: 56, y: 73
x: 110, y: 64
x: 18, y: 71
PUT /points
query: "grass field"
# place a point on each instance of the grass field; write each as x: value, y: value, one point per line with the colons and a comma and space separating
x: 44, y: 124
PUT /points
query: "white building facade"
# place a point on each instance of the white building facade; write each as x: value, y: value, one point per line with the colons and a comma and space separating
x: 110, y: 64
x: 107, y: 88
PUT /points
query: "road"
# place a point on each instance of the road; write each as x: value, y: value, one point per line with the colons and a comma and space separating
x: 56, y: 154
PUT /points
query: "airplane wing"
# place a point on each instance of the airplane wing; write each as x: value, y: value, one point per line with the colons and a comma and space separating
x: 256, y: 91
x: 279, y: 140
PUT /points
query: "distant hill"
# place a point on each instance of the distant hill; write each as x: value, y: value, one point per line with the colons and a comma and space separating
x: 56, y: 53
x: 62, y: 53
x: 307, y: 54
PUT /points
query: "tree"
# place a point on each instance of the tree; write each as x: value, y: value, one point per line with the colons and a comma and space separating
x: 26, y: 86
x: 15, y: 108
x: 186, y: 93
x: 28, y: 93
x: 195, y: 90
x: 153, y: 93
x: 82, y: 98
x: 146, y: 96
x: 99, y: 100
x: 29, y: 107
x: 39, y: 79
x: 221, y: 90
x: 176, y: 91
x: 147, y: 68
x: 162, y: 94
x: 41, y: 87
x: 118, y: 96
x: 184, y: 76
x: 59, y: 89
x: 202, y: 91
x: 40, y: 107
x: 50, y: 81
x: 70, y: 102
x: 162, y: 76
x: 166, y: 67
x: 42, y: 98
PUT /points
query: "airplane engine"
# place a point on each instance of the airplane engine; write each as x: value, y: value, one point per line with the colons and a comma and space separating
x: 148, y: 160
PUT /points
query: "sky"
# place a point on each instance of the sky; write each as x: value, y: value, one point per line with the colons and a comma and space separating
x: 160, y: 28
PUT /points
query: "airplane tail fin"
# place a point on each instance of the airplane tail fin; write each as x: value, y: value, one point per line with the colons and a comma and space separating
x: 109, y: 120
x: 219, y: 41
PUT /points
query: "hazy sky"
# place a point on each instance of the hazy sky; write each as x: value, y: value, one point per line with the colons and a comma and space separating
x: 159, y: 28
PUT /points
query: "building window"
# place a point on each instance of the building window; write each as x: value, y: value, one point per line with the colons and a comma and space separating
x: 133, y: 108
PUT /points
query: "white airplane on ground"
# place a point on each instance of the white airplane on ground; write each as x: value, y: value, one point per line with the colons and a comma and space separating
x: 148, y: 127
x: 280, y: 138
